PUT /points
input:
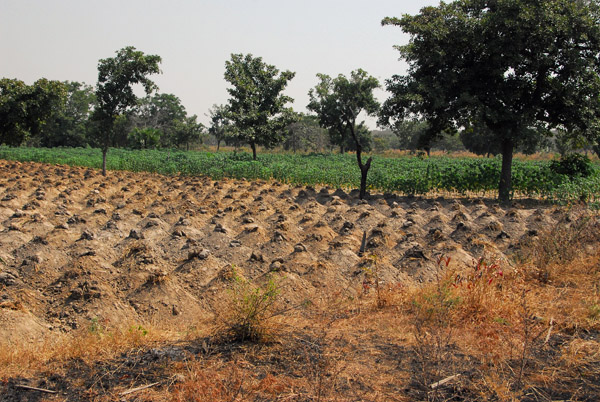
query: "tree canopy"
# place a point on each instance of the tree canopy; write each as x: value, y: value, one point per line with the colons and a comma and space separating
x: 115, y: 93
x: 256, y: 104
x: 26, y: 109
x: 305, y: 134
x: 512, y: 65
x: 161, y: 112
x: 69, y: 125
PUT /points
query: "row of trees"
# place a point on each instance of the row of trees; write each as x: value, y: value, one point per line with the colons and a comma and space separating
x: 52, y: 113
x: 505, y: 74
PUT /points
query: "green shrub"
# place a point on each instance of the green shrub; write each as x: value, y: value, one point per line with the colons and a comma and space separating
x: 250, y: 309
x: 572, y: 165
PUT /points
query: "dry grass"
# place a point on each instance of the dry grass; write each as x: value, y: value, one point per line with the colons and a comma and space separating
x: 527, y: 331
x: 91, y: 344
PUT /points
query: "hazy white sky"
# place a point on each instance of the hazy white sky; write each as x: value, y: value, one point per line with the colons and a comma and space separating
x: 64, y: 39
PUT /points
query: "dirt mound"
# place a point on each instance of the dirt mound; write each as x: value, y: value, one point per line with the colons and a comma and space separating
x: 76, y: 247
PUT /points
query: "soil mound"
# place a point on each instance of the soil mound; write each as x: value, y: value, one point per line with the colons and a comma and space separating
x: 76, y: 247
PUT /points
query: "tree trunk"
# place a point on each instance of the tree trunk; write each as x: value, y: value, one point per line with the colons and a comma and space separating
x: 218, y: 145
x: 104, y: 151
x: 253, y: 145
x: 364, y: 170
x: 504, y: 188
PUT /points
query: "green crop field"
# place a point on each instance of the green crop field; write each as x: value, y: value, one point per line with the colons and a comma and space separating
x: 404, y: 175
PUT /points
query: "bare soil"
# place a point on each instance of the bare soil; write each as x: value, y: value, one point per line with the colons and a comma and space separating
x: 77, y: 248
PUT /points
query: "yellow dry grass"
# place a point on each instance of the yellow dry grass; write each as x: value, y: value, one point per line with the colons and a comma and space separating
x: 497, y: 331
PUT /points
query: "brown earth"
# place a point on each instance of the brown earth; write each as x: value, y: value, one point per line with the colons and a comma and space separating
x: 109, y: 284
x: 76, y: 247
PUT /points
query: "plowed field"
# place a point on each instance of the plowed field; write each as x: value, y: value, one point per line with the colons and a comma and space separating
x: 76, y: 247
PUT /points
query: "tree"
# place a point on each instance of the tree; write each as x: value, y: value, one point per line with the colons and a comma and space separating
x: 69, y: 125
x: 384, y: 140
x: 162, y: 112
x: 114, y: 92
x: 480, y: 140
x: 13, y: 111
x: 566, y: 143
x: 363, y: 135
x: 305, y: 134
x: 411, y: 134
x: 25, y: 110
x: 143, y: 138
x: 338, y: 102
x: 219, y: 123
x: 187, y: 131
x: 513, y: 65
x: 257, y: 106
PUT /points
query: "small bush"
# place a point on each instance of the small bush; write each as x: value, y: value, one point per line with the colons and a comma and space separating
x: 249, y: 309
x: 572, y: 165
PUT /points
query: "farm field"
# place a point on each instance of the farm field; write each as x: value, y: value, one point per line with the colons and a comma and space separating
x: 111, y: 283
x: 404, y: 175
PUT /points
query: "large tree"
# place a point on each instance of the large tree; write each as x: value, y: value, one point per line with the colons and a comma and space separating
x: 70, y: 124
x: 480, y: 140
x: 513, y: 65
x: 26, y: 110
x: 338, y: 102
x: 162, y: 112
x: 305, y: 134
x: 115, y: 90
x: 256, y: 105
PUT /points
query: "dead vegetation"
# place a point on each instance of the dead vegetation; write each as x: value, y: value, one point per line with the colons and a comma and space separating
x: 515, y: 319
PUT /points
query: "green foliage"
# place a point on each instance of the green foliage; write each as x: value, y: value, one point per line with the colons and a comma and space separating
x: 513, y: 65
x: 480, y: 140
x: 69, y: 125
x: 114, y: 91
x: 138, y: 330
x: 250, y: 309
x: 116, y: 77
x: 164, y: 113
x: 188, y: 131
x: 143, y: 138
x: 363, y: 135
x: 384, y: 140
x: 412, y: 134
x: 256, y: 106
x: 305, y: 134
x: 338, y: 102
x: 405, y: 175
x: 25, y: 110
x: 566, y: 143
x: 96, y: 327
x: 572, y: 165
x: 220, y: 126
x: 450, y: 143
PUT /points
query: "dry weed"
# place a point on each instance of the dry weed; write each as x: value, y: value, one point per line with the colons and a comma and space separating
x: 91, y: 344
x: 247, y: 312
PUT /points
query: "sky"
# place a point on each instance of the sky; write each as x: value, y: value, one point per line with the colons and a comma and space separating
x: 64, y: 40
